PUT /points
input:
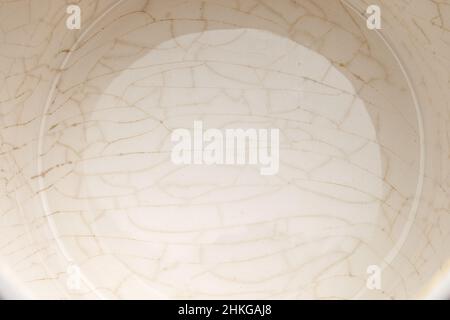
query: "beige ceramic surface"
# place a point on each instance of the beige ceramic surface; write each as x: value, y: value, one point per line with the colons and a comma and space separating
x: 87, y: 183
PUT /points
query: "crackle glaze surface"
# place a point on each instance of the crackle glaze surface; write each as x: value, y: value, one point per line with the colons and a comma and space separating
x: 87, y: 181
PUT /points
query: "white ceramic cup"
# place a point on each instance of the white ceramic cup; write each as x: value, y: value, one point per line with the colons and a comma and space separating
x: 355, y: 205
